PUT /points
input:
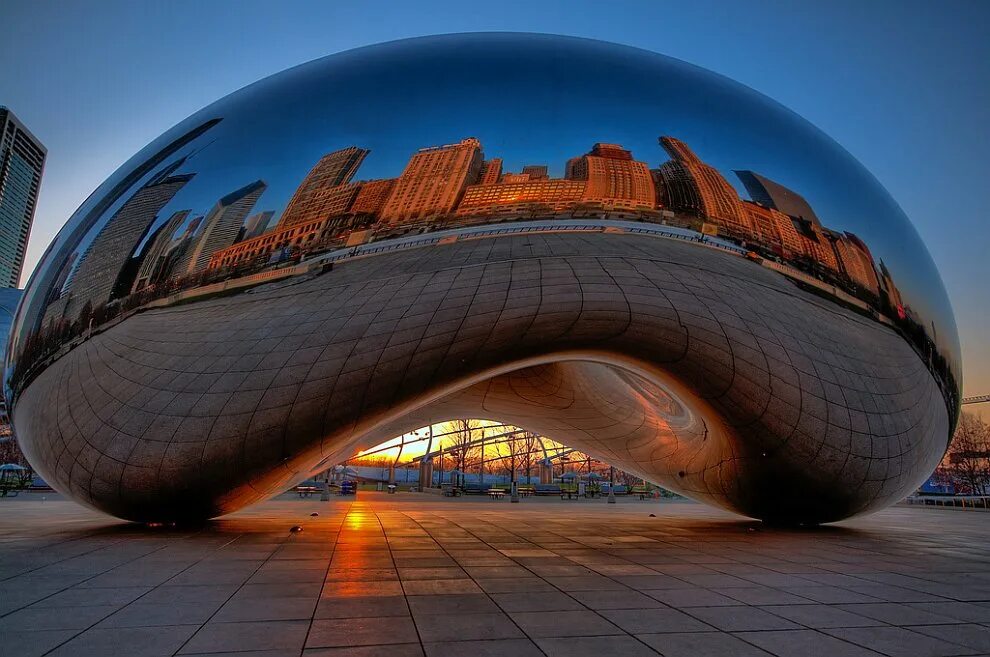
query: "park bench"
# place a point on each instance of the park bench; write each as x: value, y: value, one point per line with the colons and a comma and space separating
x: 306, y: 491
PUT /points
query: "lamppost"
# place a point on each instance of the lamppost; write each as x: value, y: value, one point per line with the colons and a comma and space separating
x: 611, y: 484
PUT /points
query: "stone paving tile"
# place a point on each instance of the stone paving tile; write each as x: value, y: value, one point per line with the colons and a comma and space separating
x: 361, y: 632
x: 410, y: 575
x: 695, y: 644
x: 900, y: 642
x: 485, y: 648
x: 468, y: 626
x: 538, y: 601
x: 695, y: 597
x: 233, y: 637
x: 643, y: 621
x: 739, y: 619
x: 897, y: 614
x: 595, y: 646
x: 248, y: 609
x: 563, y: 624
x: 32, y: 643
x: 822, y: 616
x: 971, y: 636
x: 40, y: 618
x: 153, y: 615
x: 804, y: 643
x: 127, y: 642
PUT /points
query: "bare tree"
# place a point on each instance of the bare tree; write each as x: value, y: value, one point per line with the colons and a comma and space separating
x: 967, y: 463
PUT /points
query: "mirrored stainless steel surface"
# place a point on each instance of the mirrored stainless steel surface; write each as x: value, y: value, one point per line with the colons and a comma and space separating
x: 628, y: 254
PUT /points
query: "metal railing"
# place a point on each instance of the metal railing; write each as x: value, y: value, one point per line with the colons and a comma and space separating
x: 962, y: 502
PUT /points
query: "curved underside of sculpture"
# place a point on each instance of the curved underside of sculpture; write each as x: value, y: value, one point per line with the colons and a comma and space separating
x: 697, y: 369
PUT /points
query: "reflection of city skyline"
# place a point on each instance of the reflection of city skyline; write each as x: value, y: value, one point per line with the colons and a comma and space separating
x: 455, y: 184
x: 136, y: 257
x: 447, y: 186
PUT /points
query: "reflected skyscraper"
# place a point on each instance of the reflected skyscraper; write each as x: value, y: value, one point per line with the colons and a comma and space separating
x: 433, y: 181
x: 220, y: 227
x: 101, y: 274
x: 774, y: 195
x: 22, y: 162
x: 320, y: 193
x: 697, y: 188
x: 613, y: 178
x: 156, y: 250
x: 258, y: 223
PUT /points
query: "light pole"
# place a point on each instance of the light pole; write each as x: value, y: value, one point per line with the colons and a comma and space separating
x: 611, y: 484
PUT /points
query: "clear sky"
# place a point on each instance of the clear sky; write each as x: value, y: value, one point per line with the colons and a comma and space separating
x: 903, y: 85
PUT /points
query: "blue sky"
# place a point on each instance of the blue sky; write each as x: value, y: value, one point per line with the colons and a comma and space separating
x: 904, y: 86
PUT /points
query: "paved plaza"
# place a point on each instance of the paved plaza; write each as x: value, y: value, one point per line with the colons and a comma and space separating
x: 412, y: 574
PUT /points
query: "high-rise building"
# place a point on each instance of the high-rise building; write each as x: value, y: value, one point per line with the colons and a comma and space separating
x: 257, y: 223
x: 372, y: 197
x: 52, y: 279
x: 102, y: 272
x: 220, y: 227
x: 614, y: 178
x: 774, y: 195
x: 315, y: 197
x: 9, y: 298
x: 22, y: 161
x: 855, y: 261
x: 774, y: 230
x: 491, y: 171
x: 156, y: 249
x: 433, y: 181
x: 536, y: 171
x: 698, y: 188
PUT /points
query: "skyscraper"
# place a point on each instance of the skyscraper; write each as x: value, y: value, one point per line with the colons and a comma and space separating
x: 776, y: 196
x: 155, y: 250
x: 22, y: 161
x: 536, y: 171
x: 614, y: 178
x: 433, y: 181
x: 220, y: 227
x: 491, y: 171
x: 257, y: 223
x: 315, y: 195
x: 698, y: 188
x: 101, y: 270
x: 372, y: 197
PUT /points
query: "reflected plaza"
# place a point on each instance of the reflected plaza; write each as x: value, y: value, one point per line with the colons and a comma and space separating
x: 619, y: 271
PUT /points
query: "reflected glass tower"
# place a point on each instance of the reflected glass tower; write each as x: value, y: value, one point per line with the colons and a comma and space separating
x: 493, y: 246
x: 22, y: 162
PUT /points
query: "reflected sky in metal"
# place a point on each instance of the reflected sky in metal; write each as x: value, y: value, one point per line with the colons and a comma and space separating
x: 526, y: 99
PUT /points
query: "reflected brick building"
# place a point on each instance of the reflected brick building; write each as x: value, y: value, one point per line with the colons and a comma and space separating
x: 319, y: 194
x: 372, y: 196
x: 491, y: 171
x: 433, y: 181
x: 614, y: 178
x: 697, y: 188
x: 519, y: 194
x: 856, y: 261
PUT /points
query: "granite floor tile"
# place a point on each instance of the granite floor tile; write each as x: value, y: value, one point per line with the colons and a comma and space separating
x: 698, y: 644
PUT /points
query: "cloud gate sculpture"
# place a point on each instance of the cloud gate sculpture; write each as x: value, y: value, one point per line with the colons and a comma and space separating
x: 630, y: 255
